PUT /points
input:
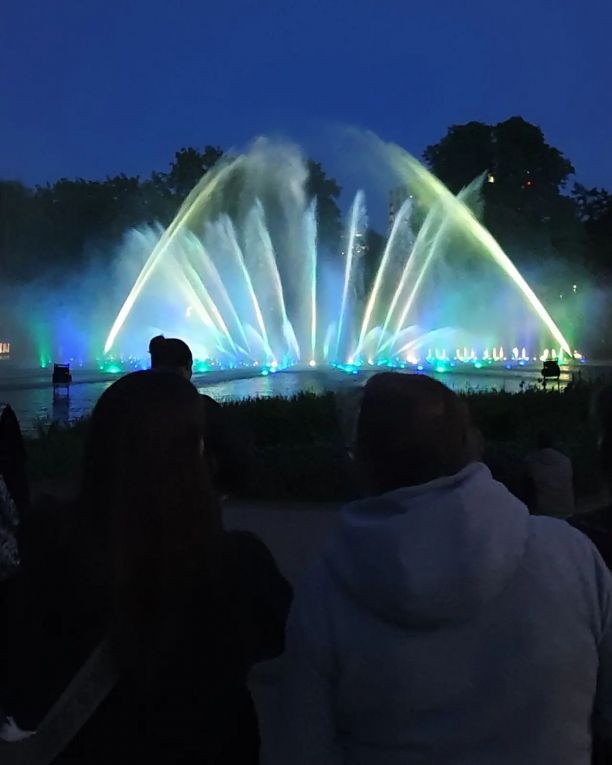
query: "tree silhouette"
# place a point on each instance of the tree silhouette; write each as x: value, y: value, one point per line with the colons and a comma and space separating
x: 595, y: 210
x: 326, y: 190
x: 188, y: 167
x: 524, y: 178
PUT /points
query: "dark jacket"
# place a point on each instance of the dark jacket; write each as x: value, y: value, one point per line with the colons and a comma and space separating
x: 13, y: 458
x: 597, y: 525
x: 185, y: 700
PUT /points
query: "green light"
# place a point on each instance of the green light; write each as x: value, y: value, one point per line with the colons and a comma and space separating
x: 200, y: 366
x: 478, y: 365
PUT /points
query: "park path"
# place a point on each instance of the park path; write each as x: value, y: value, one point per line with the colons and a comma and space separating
x: 294, y: 533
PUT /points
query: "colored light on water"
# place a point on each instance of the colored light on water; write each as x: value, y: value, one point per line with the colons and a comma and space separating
x: 112, y: 368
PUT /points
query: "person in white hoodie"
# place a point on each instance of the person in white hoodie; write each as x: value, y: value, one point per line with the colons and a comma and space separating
x: 443, y: 623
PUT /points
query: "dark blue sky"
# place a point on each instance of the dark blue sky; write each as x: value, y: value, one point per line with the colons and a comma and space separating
x: 95, y: 87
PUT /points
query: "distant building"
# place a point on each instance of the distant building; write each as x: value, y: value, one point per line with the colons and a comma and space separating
x: 5, y: 350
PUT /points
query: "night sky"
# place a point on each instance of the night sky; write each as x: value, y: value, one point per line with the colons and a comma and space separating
x: 96, y: 87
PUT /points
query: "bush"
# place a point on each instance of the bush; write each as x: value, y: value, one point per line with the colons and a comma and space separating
x: 55, y: 450
x: 299, y: 448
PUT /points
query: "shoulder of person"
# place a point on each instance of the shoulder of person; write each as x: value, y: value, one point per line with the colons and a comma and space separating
x: 245, y: 545
x: 559, y: 533
x: 248, y: 559
x: 569, y: 549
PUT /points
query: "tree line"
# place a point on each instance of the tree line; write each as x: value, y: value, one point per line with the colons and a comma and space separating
x: 529, y: 207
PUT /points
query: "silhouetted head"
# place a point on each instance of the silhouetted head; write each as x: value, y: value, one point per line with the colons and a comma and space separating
x: 169, y: 354
x: 148, y: 515
x: 412, y: 429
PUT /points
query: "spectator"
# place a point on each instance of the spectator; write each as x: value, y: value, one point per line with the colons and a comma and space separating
x: 444, y: 623
x: 9, y: 552
x: 171, y: 355
x: 13, y: 459
x: 13, y: 490
x: 597, y: 524
x: 185, y: 608
x: 227, y: 448
x: 550, y: 479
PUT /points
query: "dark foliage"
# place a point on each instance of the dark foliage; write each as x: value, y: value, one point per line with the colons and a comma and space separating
x: 299, y: 447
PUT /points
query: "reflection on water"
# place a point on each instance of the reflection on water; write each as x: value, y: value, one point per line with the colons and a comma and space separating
x: 31, y: 396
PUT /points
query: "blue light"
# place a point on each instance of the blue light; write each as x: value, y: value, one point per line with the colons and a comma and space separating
x: 420, y: 367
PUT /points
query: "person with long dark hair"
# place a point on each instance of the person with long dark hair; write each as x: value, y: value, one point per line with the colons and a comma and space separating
x: 14, y: 502
x: 147, y: 574
x: 13, y: 459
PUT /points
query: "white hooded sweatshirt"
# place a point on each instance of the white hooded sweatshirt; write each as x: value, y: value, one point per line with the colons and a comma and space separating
x: 444, y: 624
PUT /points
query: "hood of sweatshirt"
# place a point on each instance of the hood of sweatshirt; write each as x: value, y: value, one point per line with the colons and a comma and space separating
x: 430, y: 554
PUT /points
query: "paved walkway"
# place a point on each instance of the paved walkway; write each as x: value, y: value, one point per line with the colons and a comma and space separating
x: 294, y: 533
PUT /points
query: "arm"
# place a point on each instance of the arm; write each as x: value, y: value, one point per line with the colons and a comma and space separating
x: 13, y: 458
x: 266, y: 594
x: 602, y: 713
x: 305, y: 731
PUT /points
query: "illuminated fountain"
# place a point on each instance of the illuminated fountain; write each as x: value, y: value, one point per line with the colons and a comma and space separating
x: 239, y: 275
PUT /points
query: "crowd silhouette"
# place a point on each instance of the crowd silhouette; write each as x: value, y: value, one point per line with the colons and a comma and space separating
x: 447, y: 618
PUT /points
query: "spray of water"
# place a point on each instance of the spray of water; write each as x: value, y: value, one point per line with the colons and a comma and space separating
x: 240, y: 272
x: 194, y: 205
